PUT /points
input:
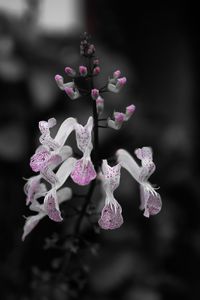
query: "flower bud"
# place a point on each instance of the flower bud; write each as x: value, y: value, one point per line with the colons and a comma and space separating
x: 100, y: 104
x: 83, y: 71
x: 94, y: 94
x: 129, y: 111
x: 70, y: 72
x: 96, y: 71
x: 117, y: 74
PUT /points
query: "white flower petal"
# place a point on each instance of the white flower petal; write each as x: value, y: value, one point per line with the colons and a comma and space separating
x: 128, y: 162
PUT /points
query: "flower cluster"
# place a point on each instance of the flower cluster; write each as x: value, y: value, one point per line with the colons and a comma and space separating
x: 54, y: 161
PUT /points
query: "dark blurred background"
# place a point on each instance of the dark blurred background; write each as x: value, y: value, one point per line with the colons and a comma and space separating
x: 154, y: 44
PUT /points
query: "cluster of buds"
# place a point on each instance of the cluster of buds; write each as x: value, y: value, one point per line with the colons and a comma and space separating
x: 54, y: 153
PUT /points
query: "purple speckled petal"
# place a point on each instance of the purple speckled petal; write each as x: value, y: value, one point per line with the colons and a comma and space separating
x: 153, y: 205
x: 51, y: 206
x: 39, y: 160
x: 45, y: 138
x: 83, y: 172
x: 111, y: 217
x: 148, y: 167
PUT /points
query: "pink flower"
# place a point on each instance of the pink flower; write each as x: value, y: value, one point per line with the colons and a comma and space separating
x: 53, y: 198
x: 42, y: 211
x: 150, y: 200
x: 84, y: 171
x: 111, y: 215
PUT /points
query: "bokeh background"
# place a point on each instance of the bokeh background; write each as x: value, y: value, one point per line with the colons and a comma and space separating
x: 154, y: 44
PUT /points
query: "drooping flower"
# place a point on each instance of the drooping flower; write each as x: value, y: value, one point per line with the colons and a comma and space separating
x: 84, y: 171
x: 116, y: 83
x: 32, y: 221
x: 111, y: 215
x: 52, y: 198
x: 150, y: 200
x: 52, y: 152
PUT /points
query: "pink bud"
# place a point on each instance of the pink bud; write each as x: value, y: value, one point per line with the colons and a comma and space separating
x: 58, y: 78
x: 70, y: 72
x: 119, y: 117
x: 117, y: 74
x: 94, y: 94
x: 83, y: 71
x: 69, y: 91
x: 96, y: 62
x: 130, y: 109
x: 99, y: 100
x: 122, y: 81
x: 96, y: 70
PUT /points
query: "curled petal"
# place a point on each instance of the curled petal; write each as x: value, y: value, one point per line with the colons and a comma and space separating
x: 51, y: 206
x: 64, y: 171
x: 34, y: 189
x: 39, y: 160
x: 65, y: 130
x: 48, y: 174
x: 45, y: 139
x: 83, y: 172
x: 111, y: 217
x: 31, y: 223
x: 148, y: 166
